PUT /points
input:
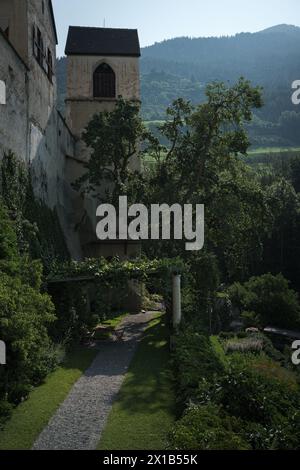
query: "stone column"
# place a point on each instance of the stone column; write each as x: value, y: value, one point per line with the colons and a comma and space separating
x: 176, y: 300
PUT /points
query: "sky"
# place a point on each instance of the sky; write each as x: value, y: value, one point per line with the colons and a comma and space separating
x: 157, y: 20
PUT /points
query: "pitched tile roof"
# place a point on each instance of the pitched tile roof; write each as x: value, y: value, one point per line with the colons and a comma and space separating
x: 102, y: 41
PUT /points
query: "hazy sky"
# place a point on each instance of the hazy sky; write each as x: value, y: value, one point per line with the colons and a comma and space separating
x: 162, y: 19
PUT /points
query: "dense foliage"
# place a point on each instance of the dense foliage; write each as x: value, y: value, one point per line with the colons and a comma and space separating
x: 25, y: 315
x: 239, y: 401
x: 31, y: 216
x: 113, y: 138
x: 267, y: 300
x: 88, y: 292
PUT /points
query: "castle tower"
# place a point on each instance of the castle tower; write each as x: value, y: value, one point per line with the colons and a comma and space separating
x: 102, y: 65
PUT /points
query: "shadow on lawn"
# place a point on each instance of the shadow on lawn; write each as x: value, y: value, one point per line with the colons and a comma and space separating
x: 114, y: 356
x: 148, y: 386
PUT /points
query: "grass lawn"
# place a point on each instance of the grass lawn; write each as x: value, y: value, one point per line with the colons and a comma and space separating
x: 30, y: 417
x: 144, y: 411
x: 115, y: 321
x: 105, y: 329
x: 267, y: 150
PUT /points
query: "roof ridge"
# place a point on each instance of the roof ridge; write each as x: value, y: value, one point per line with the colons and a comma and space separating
x: 101, y: 27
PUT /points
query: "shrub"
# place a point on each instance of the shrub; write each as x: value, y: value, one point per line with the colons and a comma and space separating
x: 245, y: 393
x: 8, y: 238
x: 25, y: 315
x: 244, y: 345
x: 194, y: 358
x: 269, y: 300
x: 204, y: 428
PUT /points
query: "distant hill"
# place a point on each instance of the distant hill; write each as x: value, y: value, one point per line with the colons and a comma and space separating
x: 183, y: 66
x: 282, y: 28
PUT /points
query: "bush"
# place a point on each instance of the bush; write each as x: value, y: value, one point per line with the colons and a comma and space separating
x: 284, y: 436
x: 204, y: 428
x: 250, y: 395
x: 269, y: 300
x: 194, y: 358
x: 244, y: 345
x: 25, y: 315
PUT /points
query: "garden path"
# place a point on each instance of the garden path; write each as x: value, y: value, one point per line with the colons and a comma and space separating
x: 80, y: 420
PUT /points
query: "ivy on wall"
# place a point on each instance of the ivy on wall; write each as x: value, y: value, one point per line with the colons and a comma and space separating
x: 38, y: 229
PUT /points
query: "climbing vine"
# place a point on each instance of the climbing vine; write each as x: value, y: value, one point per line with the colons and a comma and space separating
x: 116, y: 270
x: 32, y: 217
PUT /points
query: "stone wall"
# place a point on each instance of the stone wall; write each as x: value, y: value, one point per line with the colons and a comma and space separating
x: 13, y: 15
x: 14, y: 113
x: 30, y: 125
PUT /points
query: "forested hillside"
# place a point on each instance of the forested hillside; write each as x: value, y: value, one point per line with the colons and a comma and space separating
x: 182, y: 67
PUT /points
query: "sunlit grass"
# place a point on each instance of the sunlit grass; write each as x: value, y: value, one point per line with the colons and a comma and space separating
x: 29, y: 418
x: 144, y: 411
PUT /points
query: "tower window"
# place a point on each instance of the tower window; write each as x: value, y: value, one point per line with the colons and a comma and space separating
x: 104, y: 82
x: 38, y: 46
x: 49, y: 65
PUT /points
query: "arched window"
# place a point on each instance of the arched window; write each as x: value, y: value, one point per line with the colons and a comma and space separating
x: 104, y: 82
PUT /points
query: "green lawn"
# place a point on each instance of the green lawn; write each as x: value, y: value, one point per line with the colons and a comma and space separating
x: 144, y: 411
x: 267, y: 150
x: 108, y: 326
x: 30, y: 418
x: 115, y: 321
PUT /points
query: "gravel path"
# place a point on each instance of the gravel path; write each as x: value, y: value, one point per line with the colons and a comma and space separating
x: 80, y: 420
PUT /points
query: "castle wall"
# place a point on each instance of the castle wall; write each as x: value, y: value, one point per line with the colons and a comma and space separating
x: 12, y: 15
x: 13, y: 114
x: 50, y: 140
x: 42, y: 91
x: 30, y: 125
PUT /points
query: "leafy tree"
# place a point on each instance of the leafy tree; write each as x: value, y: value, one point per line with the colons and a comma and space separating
x: 295, y: 173
x: 114, y: 139
x: 282, y: 246
x: 270, y: 299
